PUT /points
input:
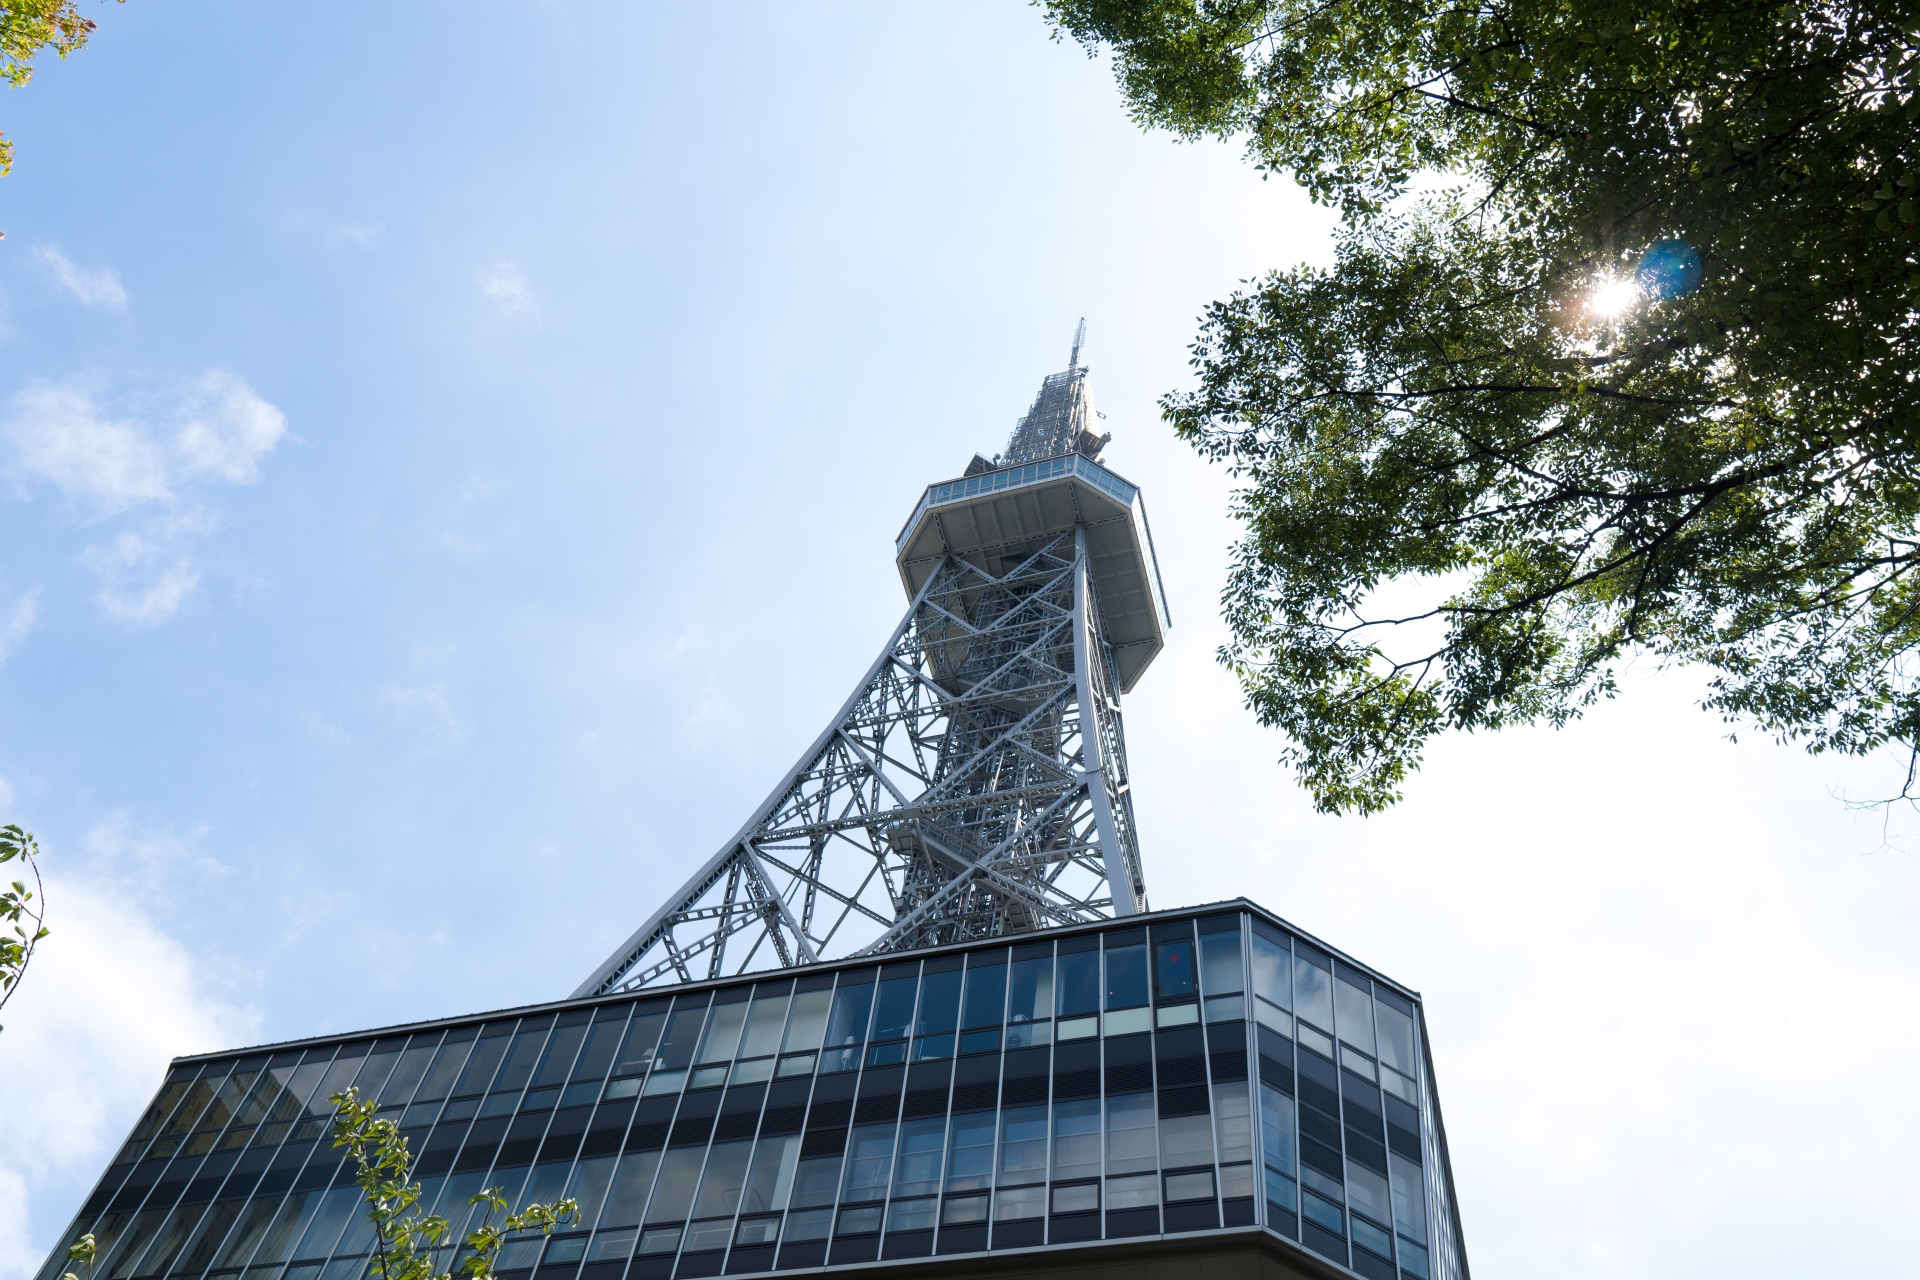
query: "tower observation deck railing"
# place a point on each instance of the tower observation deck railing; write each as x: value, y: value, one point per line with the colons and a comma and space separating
x: 1073, y: 464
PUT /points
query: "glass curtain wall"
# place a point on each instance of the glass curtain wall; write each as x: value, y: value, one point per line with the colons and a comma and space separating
x: 1097, y: 1086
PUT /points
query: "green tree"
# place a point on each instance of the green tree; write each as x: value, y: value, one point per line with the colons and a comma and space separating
x: 18, y: 911
x: 28, y: 27
x: 404, y: 1234
x: 1616, y: 357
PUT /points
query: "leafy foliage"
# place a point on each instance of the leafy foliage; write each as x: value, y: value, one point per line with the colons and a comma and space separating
x: 1719, y: 468
x: 81, y: 1255
x: 404, y: 1234
x: 26, y: 28
x: 17, y: 910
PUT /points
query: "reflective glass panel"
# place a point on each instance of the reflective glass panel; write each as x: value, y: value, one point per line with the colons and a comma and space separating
x: 1126, y: 977
x: 809, y: 1022
x: 939, y: 1005
x: 1030, y: 990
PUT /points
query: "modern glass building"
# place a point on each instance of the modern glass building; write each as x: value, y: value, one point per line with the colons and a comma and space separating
x: 1117, y: 1096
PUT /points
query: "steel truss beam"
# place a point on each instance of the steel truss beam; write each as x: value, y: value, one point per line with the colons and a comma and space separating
x: 974, y: 785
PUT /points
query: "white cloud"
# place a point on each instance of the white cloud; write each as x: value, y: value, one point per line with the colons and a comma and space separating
x: 145, y: 583
x: 120, y: 850
x: 20, y: 620
x: 229, y: 429
x: 214, y: 431
x: 61, y: 436
x: 506, y: 284
x: 109, y: 999
x: 97, y: 288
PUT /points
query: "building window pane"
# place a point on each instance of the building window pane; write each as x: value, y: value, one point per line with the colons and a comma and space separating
x: 723, y: 1033
x: 1236, y: 1181
x: 814, y: 1224
x: 1030, y: 990
x: 757, y: 1231
x: 1312, y: 992
x: 566, y: 1249
x: 1280, y: 1190
x: 1271, y: 977
x: 1130, y: 1133
x: 636, y: 1056
x: 970, y: 1152
x: 679, y: 1175
x: 1082, y: 1198
x: 1013, y: 1203
x: 1126, y: 977
x: 1367, y: 1192
x: 960, y: 1210
x: 713, y: 1234
x: 911, y: 1215
x: 1221, y: 972
x: 939, y: 1005
x: 1368, y: 1236
x: 1173, y: 974
x: 561, y: 1051
x: 923, y: 1147
x: 518, y: 1068
x: 589, y: 1185
x: 1023, y: 1145
x: 1326, y: 1214
x: 987, y: 994
x: 859, y: 1222
x: 1396, y: 1038
x: 848, y: 1023
x: 597, y: 1057
x: 893, y: 1008
x: 611, y: 1246
x: 1078, y: 987
x: 629, y: 1193
x: 771, y: 1176
x: 1409, y: 1198
x: 809, y: 1022
x: 1233, y: 1122
x: 1413, y: 1259
x: 1186, y: 1140
x: 1196, y: 1185
x: 720, y: 1185
x: 1138, y: 1192
x: 815, y: 1182
x: 869, y: 1163
x: 1354, y: 1012
x: 676, y: 1047
x: 1076, y: 1139
x: 764, y: 1027
x: 660, y: 1240
x: 1276, y: 1129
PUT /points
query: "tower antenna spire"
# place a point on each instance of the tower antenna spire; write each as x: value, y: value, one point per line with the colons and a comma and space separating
x: 1079, y: 341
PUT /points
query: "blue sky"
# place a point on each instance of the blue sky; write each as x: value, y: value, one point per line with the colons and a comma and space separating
x: 449, y: 461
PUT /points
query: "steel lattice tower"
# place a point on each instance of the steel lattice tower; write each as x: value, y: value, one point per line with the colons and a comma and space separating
x: 976, y: 782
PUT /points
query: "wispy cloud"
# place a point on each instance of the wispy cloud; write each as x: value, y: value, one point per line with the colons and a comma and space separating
x: 228, y: 430
x: 429, y: 709
x: 20, y: 620
x: 61, y: 436
x: 361, y: 235
x: 506, y: 284
x: 159, y: 458
x: 99, y: 287
x: 144, y: 582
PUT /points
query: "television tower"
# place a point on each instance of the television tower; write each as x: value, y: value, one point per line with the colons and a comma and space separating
x: 975, y: 783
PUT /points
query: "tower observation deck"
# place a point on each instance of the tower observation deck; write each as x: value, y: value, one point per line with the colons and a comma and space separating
x: 975, y: 783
